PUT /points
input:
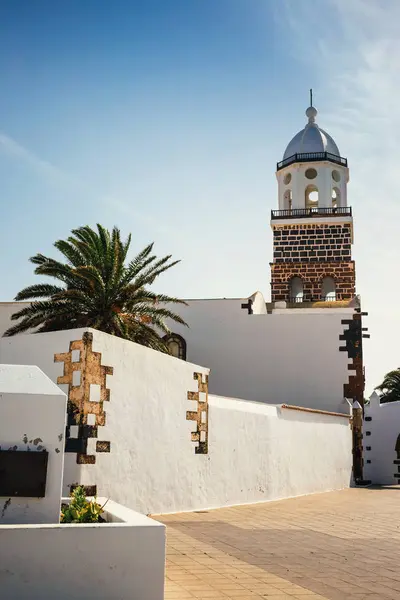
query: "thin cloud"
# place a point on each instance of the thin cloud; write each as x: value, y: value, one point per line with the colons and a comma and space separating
x: 358, y: 71
x: 44, y: 168
x: 127, y: 209
x: 54, y: 175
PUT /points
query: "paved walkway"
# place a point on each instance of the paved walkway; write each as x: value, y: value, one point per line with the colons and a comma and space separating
x: 338, y: 546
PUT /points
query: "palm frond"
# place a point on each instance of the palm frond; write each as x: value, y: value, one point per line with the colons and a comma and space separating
x: 98, y: 289
x: 390, y: 387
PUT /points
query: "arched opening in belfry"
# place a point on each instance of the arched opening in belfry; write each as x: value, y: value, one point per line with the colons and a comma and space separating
x: 335, y: 197
x: 311, y: 197
x: 287, y: 200
x: 328, y: 289
x: 296, y: 289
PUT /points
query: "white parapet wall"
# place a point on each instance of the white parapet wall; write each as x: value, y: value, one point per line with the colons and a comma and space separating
x: 148, y: 450
x: 289, y: 356
x: 272, y: 452
x: 122, y: 559
x: 32, y: 421
x: 381, y: 441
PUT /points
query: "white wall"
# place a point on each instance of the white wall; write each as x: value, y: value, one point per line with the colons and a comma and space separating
x: 6, y: 310
x: 270, y: 452
x: 32, y: 417
x: 123, y: 560
x: 257, y: 452
x: 379, y: 441
x: 290, y: 356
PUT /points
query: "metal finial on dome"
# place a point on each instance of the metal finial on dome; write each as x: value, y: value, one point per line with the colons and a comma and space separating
x: 311, y: 111
x: 311, y: 138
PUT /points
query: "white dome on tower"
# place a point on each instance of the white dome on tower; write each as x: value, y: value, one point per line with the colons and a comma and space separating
x: 311, y: 139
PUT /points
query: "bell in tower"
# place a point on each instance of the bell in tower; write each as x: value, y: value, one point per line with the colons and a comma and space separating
x: 313, y: 227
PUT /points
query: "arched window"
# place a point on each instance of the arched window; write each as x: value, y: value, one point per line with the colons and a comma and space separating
x: 335, y: 197
x: 328, y: 290
x: 287, y: 200
x: 176, y: 345
x: 296, y: 290
x: 311, y: 197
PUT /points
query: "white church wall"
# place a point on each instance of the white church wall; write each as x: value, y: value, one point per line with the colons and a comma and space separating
x: 32, y: 419
x: 272, y: 452
x: 290, y: 356
x: 256, y: 452
x: 380, y: 433
x: 7, y: 309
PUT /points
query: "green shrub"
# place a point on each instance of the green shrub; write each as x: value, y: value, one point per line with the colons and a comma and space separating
x: 81, y: 510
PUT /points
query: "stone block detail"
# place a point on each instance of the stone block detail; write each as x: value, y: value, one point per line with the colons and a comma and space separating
x: 312, y: 275
x: 312, y: 242
x: 353, y: 389
x: 200, y: 436
x: 87, y: 393
x: 90, y: 490
x: 103, y: 446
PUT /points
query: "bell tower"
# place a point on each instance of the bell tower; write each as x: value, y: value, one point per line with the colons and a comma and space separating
x: 313, y: 226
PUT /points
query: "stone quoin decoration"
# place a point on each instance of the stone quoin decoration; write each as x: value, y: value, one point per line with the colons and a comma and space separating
x: 352, y: 336
x: 87, y: 391
x: 201, y: 414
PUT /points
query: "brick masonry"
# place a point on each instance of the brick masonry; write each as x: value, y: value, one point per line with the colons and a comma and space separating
x: 312, y: 243
x: 312, y: 251
x: 312, y: 275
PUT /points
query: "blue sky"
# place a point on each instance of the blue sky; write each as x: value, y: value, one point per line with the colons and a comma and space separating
x: 167, y: 118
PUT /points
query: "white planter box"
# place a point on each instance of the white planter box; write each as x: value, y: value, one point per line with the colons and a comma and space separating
x: 123, y: 559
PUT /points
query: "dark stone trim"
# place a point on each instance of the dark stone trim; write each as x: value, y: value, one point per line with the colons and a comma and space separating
x: 85, y: 459
x: 249, y: 306
x: 103, y: 446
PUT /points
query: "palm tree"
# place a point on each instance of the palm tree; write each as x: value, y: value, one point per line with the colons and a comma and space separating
x: 390, y: 387
x: 98, y: 288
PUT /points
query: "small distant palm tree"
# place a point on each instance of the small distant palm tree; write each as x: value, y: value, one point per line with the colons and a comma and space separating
x: 98, y: 288
x: 390, y: 387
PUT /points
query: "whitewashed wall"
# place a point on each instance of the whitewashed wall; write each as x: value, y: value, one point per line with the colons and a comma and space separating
x: 380, y: 432
x: 290, y: 356
x: 123, y: 559
x: 256, y: 452
x: 32, y: 417
x: 7, y: 309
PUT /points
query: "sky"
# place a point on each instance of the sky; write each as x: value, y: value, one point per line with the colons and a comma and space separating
x: 167, y: 117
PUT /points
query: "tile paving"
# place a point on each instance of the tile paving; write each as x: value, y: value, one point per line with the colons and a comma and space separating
x: 338, y: 546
